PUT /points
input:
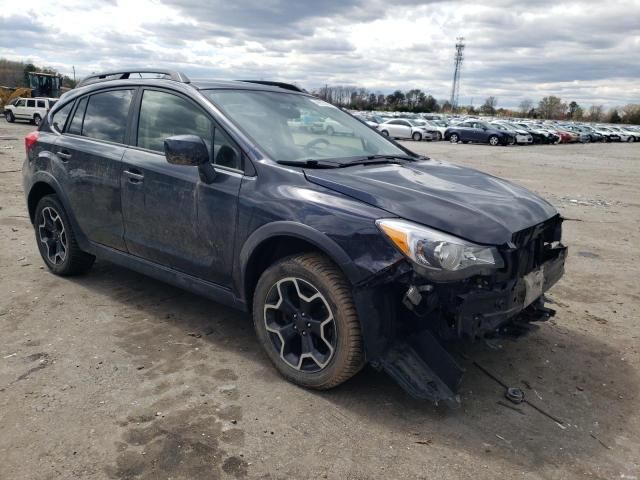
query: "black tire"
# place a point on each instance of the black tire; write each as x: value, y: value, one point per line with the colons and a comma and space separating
x: 454, y: 138
x: 417, y: 136
x: 631, y: 139
x: 330, y: 131
x: 37, y: 120
x: 74, y: 261
x: 308, y: 270
x: 385, y: 133
x: 494, y: 141
x: 439, y: 136
x: 8, y: 116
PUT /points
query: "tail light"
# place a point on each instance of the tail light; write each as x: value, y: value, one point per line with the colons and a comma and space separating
x: 30, y: 140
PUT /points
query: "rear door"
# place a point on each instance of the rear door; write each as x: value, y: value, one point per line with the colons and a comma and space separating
x: 91, y: 150
x: 171, y: 217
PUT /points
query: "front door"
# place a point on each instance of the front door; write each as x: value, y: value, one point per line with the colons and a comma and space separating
x: 171, y: 217
x: 20, y: 111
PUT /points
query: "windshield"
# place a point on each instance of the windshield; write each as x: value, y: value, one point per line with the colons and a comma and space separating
x: 298, y: 128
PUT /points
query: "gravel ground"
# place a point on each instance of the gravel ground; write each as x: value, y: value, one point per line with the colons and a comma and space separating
x: 115, y: 375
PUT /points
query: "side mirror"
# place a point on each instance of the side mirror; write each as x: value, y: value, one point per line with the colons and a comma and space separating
x: 186, y: 150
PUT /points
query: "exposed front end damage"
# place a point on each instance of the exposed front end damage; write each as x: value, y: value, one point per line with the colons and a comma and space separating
x: 411, y: 323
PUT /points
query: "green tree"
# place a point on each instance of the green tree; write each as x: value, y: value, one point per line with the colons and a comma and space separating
x: 615, y: 117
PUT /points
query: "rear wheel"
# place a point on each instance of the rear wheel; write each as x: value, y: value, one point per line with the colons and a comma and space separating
x: 438, y: 136
x: 417, y: 136
x: 454, y: 138
x: 631, y: 139
x: 56, y: 239
x: 36, y: 120
x: 494, y: 140
x: 305, y: 319
x: 8, y: 116
x: 330, y: 131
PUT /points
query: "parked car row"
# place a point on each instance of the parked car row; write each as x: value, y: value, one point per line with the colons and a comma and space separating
x: 495, y: 131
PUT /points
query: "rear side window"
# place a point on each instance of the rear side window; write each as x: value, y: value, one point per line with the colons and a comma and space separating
x: 60, y: 117
x: 75, y: 127
x: 164, y: 115
x: 106, y: 115
x: 41, y: 104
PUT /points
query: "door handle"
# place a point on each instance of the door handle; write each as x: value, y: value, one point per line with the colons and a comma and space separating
x: 134, y: 175
x: 64, y: 155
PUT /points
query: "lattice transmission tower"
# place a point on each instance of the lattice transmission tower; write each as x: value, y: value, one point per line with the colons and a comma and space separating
x: 457, y: 73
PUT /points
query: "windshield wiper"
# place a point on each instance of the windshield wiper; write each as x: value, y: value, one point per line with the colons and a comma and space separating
x: 310, y: 163
x: 373, y: 159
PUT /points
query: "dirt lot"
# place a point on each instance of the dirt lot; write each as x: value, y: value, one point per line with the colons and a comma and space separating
x: 114, y: 375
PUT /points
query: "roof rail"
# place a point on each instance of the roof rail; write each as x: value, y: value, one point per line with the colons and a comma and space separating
x: 286, y: 86
x: 127, y: 73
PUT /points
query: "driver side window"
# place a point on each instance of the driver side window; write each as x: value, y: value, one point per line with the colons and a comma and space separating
x: 163, y: 115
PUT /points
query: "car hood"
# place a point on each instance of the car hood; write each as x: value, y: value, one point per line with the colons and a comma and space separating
x: 457, y: 200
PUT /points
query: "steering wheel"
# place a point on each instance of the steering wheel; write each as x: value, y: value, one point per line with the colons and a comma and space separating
x: 315, y: 143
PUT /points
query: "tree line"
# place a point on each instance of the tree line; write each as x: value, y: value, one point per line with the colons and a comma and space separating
x: 418, y: 101
x: 15, y: 74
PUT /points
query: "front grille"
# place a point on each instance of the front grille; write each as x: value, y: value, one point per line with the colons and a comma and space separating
x: 533, y: 244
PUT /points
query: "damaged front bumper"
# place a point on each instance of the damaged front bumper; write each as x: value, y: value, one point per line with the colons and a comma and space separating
x: 420, y: 320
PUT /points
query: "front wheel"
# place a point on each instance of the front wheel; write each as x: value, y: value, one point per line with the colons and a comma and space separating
x: 631, y: 139
x: 417, y: 136
x: 306, y: 321
x: 438, y: 136
x: 8, y: 116
x: 385, y: 133
x: 330, y: 131
x: 454, y: 138
x: 56, y: 239
x: 37, y: 120
x: 494, y: 140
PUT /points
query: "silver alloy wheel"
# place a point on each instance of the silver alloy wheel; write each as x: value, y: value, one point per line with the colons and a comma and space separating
x: 52, y: 235
x: 453, y: 138
x: 494, y: 141
x: 300, y: 324
x: 36, y: 120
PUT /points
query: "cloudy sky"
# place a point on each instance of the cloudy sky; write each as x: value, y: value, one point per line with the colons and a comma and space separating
x: 588, y: 51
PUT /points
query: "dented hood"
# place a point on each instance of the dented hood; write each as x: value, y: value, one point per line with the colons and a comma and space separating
x: 458, y: 200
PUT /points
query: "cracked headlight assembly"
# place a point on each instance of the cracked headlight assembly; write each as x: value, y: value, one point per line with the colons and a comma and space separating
x: 442, y: 254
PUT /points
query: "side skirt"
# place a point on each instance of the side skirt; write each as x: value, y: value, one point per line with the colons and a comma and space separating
x: 168, y: 275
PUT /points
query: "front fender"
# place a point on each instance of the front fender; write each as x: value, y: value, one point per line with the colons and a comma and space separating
x: 298, y: 230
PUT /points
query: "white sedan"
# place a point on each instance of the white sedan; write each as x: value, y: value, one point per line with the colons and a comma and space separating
x: 402, y: 128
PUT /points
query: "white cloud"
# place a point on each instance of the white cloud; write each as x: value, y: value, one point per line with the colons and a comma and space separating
x: 586, y: 51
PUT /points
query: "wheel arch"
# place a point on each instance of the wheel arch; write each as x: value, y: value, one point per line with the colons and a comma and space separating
x: 278, y: 240
x: 37, y: 191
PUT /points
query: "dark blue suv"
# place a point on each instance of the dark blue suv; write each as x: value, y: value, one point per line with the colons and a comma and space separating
x: 346, y: 249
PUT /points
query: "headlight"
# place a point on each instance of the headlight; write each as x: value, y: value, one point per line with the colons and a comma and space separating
x: 438, y: 251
